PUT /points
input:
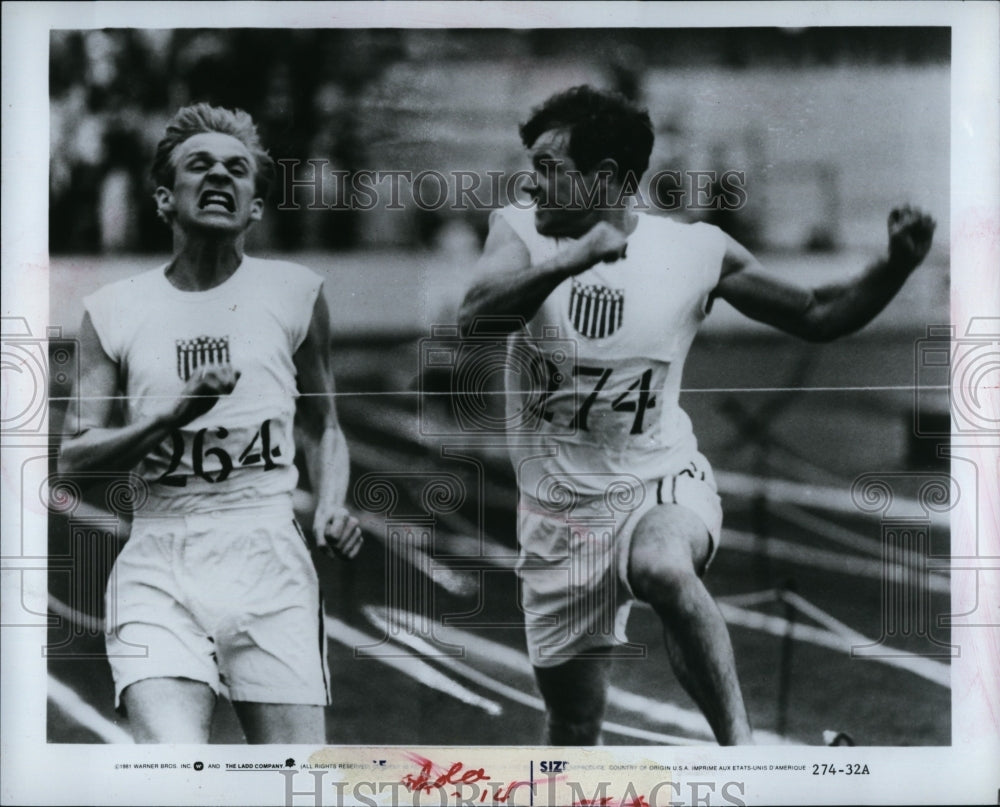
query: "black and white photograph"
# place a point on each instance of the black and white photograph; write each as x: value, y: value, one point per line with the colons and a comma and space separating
x: 500, y: 404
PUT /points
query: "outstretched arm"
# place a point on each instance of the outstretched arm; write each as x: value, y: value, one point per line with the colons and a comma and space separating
x: 325, y: 448
x: 97, y: 447
x: 827, y: 312
x: 508, y: 285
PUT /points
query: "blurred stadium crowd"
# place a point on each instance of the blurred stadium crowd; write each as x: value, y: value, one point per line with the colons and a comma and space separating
x: 393, y: 98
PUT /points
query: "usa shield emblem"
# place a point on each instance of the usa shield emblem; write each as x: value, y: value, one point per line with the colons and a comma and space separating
x: 193, y: 353
x: 596, y: 311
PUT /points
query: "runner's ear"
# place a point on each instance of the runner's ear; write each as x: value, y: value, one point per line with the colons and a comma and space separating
x: 164, y: 198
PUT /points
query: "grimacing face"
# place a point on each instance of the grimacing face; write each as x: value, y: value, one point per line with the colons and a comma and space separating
x: 214, y: 185
x: 560, y: 198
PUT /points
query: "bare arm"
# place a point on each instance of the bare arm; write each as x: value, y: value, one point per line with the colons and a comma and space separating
x: 325, y: 447
x: 98, y: 447
x: 827, y: 312
x: 508, y: 285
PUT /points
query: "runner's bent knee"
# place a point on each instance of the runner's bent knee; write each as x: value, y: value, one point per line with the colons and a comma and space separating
x: 670, y: 544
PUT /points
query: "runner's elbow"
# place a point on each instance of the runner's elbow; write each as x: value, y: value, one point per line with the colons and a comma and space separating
x: 818, y: 324
x: 485, y: 313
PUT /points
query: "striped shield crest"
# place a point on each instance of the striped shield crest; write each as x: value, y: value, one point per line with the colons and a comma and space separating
x: 192, y: 353
x: 596, y: 311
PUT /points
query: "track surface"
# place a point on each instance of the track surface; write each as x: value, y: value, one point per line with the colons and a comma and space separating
x: 794, y: 655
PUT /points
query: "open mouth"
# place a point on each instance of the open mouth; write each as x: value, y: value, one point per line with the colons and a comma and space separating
x: 217, y: 199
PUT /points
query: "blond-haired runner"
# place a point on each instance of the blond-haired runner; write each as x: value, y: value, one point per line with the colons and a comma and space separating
x: 215, y: 354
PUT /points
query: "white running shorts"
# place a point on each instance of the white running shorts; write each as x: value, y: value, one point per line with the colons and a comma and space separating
x: 573, y: 562
x: 228, y: 598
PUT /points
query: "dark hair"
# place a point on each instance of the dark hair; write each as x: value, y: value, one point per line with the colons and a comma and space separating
x: 200, y: 118
x: 601, y: 125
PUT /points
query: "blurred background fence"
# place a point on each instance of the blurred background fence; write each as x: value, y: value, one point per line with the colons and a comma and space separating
x: 831, y: 126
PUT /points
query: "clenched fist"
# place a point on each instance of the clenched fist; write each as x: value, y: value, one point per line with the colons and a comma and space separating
x: 910, y: 234
x: 602, y: 242
x: 338, y: 532
x: 202, y: 391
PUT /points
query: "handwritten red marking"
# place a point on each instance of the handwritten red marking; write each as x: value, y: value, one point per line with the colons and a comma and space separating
x: 422, y: 780
x: 432, y: 776
x: 610, y: 801
x: 504, y: 795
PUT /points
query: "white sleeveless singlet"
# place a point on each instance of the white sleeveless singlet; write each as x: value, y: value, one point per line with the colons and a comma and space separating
x: 592, y: 383
x: 241, y: 450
